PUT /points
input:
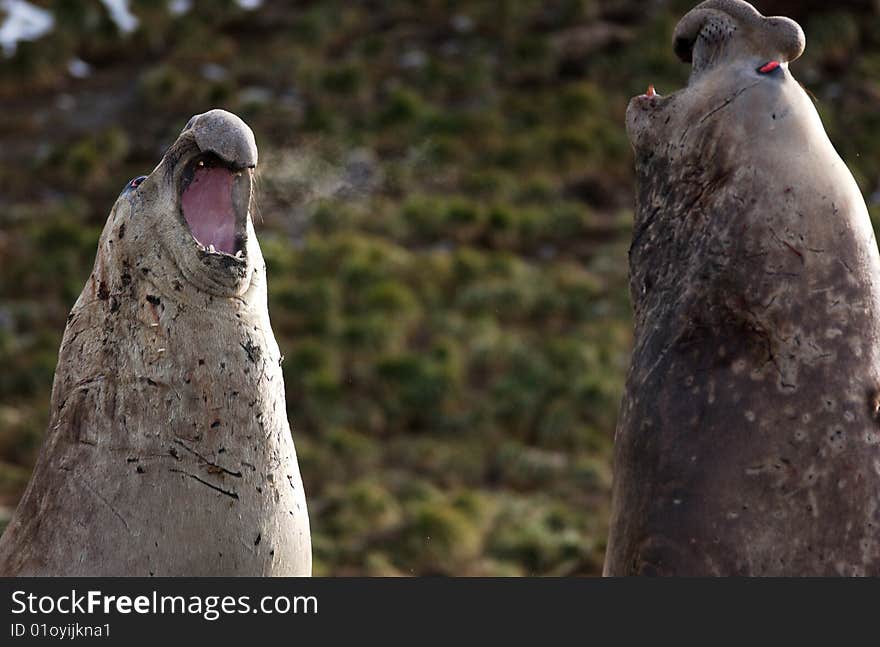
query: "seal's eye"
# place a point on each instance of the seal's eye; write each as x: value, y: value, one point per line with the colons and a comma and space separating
x: 770, y: 66
x: 133, y: 184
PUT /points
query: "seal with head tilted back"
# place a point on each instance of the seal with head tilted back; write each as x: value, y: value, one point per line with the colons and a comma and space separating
x: 168, y: 450
x: 748, y: 440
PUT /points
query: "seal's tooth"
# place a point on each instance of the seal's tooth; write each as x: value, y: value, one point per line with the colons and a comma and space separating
x: 211, y: 249
x: 238, y: 254
x: 651, y: 91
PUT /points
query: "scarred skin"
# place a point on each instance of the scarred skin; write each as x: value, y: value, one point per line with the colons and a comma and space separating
x: 748, y: 441
x: 168, y: 451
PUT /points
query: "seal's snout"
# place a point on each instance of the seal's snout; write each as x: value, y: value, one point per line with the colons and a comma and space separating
x: 226, y: 136
x: 724, y: 30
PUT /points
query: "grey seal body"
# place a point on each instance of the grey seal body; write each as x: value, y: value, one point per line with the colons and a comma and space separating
x: 748, y: 441
x: 168, y: 451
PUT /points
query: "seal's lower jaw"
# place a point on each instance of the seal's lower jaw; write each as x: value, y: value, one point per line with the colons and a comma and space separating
x: 646, y: 119
x: 214, y: 201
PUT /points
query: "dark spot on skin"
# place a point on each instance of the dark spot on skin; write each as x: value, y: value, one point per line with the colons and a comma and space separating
x: 201, y: 362
x: 154, y: 299
x: 145, y: 270
x: 140, y: 470
x: 120, y: 233
x: 177, y: 285
x: 126, y: 279
x: 215, y: 424
x: 252, y: 350
x: 258, y: 539
x: 103, y: 291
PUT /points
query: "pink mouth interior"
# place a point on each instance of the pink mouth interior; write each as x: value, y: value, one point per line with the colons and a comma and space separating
x: 207, y: 207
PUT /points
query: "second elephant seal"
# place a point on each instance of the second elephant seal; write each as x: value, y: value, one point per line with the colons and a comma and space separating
x: 749, y: 435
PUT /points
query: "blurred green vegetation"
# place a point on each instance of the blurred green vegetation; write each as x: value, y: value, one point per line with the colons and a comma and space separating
x: 445, y: 201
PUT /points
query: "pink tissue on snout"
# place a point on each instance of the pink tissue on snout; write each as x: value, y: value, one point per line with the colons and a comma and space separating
x: 207, y: 207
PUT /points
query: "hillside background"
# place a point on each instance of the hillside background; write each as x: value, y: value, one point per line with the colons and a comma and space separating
x: 445, y: 202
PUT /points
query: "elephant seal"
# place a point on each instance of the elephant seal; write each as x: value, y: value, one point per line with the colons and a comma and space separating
x: 168, y: 451
x: 748, y: 441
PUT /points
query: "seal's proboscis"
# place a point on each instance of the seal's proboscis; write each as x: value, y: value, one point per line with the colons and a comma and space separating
x: 748, y: 441
x: 168, y: 451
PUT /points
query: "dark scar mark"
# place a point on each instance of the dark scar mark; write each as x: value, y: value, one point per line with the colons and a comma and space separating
x: 728, y: 101
x: 230, y: 493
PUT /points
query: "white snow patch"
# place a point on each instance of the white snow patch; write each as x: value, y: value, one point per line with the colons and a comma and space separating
x: 121, y: 15
x: 179, y: 7
x: 24, y: 21
x: 78, y: 68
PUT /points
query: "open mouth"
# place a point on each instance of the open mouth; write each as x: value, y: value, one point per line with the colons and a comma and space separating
x: 214, y: 201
